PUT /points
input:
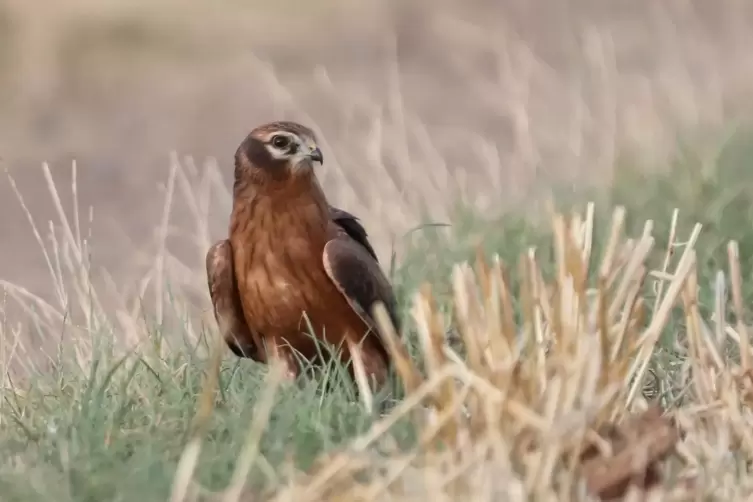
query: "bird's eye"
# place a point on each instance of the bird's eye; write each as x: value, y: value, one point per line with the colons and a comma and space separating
x: 280, y: 141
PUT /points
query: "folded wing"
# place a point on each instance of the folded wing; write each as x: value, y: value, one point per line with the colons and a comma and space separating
x: 226, y: 301
x: 359, y: 278
x: 353, y: 228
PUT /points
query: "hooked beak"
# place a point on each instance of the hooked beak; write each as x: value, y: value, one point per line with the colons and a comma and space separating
x: 316, y: 155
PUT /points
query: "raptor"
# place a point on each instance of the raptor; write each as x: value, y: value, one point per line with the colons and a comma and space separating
x: 292, y: 261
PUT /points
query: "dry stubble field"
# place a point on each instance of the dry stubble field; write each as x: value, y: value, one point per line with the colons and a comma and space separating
x: 428, y: 112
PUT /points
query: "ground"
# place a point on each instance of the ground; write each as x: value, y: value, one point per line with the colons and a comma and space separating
x: 470, y: 115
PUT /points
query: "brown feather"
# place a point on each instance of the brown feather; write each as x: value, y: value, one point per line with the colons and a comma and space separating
x: 226, y: 301
x: 225, y: 297
x: 293, y: 253
x: 360, y: 281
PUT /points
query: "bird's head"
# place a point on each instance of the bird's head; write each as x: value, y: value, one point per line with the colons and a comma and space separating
x: 278, y: 151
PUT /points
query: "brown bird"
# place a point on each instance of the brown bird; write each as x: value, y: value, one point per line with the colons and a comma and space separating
x: 288, y: 253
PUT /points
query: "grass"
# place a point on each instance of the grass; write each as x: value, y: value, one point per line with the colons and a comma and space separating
x: 545, y: 349
x: 122, y: 428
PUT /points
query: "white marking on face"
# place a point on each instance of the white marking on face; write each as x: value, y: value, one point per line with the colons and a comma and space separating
x: 280, y: 144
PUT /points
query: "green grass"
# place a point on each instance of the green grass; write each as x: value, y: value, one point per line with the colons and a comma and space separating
x: 117, y: 431
x: 122, y: 429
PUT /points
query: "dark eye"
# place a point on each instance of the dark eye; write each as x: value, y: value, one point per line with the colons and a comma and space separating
x: 280, y: 141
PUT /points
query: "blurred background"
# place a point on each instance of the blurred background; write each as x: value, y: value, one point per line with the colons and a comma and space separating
x: 419, y: 104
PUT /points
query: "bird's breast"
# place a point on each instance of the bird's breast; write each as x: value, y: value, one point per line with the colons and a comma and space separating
x: 280, y: 273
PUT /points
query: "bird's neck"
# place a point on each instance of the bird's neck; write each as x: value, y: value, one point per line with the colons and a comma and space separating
x: 300, y: 200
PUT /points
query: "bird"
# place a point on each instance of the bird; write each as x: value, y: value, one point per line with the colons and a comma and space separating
x: 290, y: 256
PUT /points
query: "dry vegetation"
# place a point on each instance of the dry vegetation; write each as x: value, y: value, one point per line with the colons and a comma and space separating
x: 577, y: 358
x: 599, y: 378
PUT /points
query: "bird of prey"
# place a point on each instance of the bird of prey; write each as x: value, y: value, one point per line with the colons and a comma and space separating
x: 290, y: 252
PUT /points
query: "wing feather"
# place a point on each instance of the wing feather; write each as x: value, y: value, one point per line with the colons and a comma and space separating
x: 359, y: 278
x: 226, y: 301
x: 353, y: 228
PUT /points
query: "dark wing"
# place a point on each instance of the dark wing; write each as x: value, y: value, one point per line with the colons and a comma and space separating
x: 226, y: 301
x: 359, y: 278
x: 353, y: 228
